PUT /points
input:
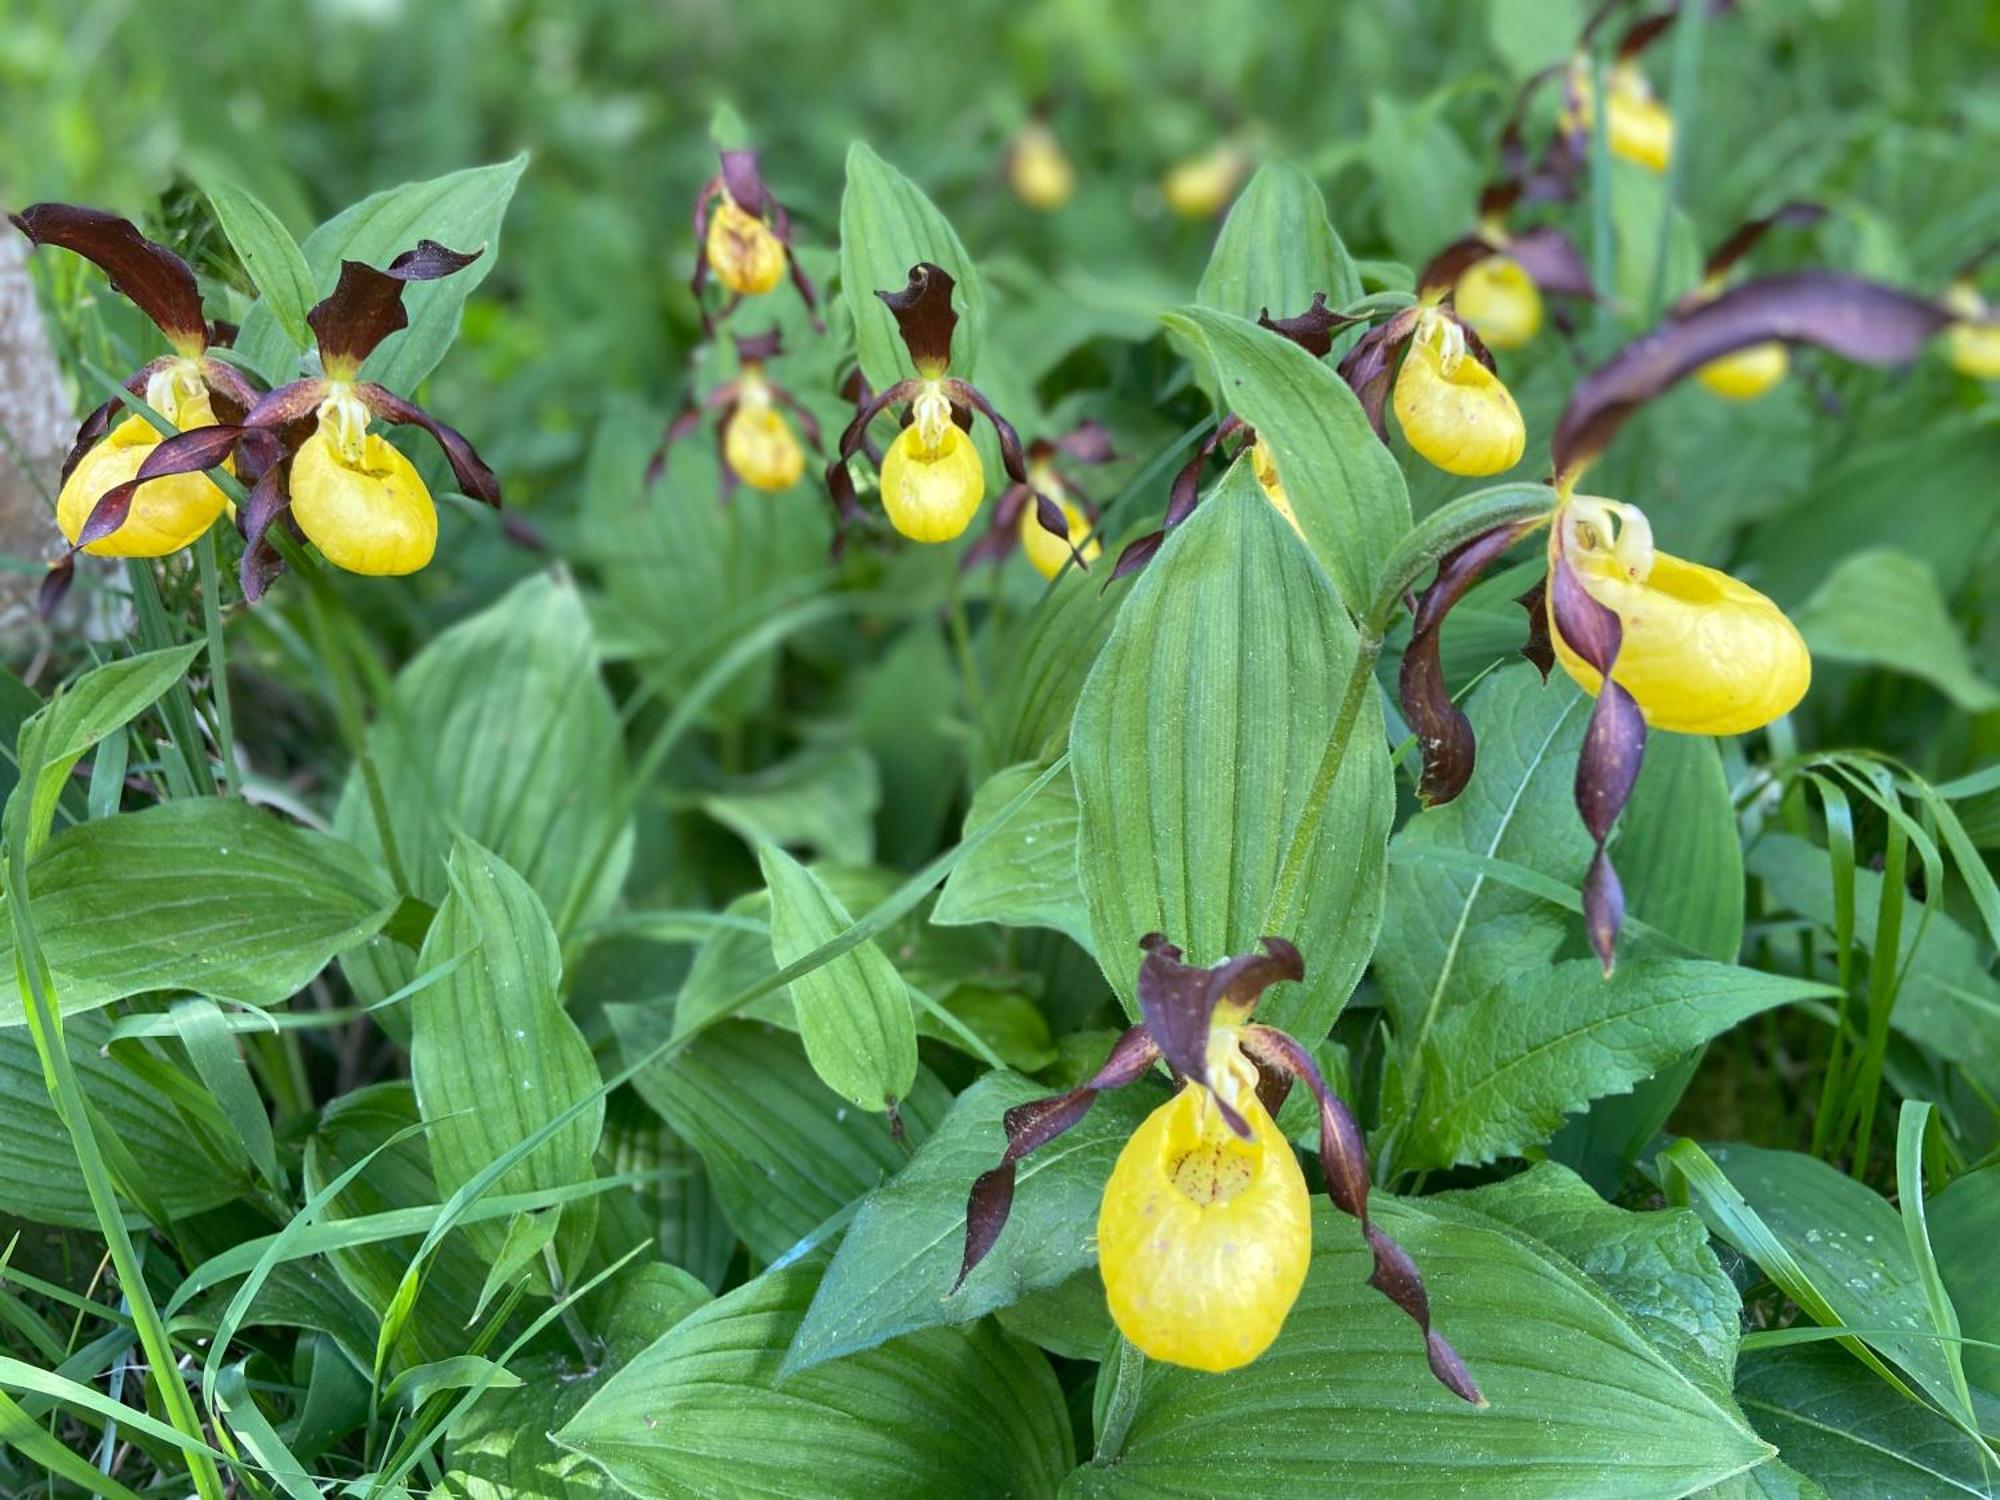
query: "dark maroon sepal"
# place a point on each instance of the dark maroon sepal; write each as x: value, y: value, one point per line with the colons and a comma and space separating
x: 1442, y: 271
x: 1185, y: 492
x: 1444, y: 734
x: 1645, y: 31
x: 1795, y: 214
x: 1371, y: 363
x: 184, y: 453
x: 1135, y: 556
x: 1089, y: 442
x: 91, y: 432
x: 1178, y: 1001
x: 367, y: 305
x: 1603, y: 909
x: 1343, y: 1156
x: 745, y: 182
x: 1497, y: 198
x: 1034, y: 1124
x: 1856, y: 319
x: 1313, y: 329
x: 474, y: 478
x: 755, y: 348
x: 261, y: 562
x: 55, y: 584
x: 157, y: 281
x: 1552, y: 262
x: 925, y: 317
x: 996, y: 543
x: 1011, y: 457
x: 1538, y: 648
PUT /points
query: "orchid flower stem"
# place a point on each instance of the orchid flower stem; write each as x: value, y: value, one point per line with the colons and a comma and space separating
x: 188, y: 772
x: 961, y: 640
x: 354, y: 728
x: 218, y: 661
x: 1123, y: 1404
x: 1683, y: 104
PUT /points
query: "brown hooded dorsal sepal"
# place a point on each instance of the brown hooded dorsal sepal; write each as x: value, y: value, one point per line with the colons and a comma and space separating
x: 925, y: 318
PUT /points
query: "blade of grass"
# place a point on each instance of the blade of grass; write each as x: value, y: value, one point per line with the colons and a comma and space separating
x: 1911, y: 1124
x: 1684, y: 107
x: 19, y: 1431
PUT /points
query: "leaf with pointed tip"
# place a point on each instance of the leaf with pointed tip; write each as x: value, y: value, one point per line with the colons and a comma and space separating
x: 888, y: 225
x: 1025, y: 877
x: 1277, y: 249
x: 1883, y: 608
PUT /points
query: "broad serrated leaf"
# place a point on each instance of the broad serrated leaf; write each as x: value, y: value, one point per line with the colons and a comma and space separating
x: 1197, y: 738
x: 896, y: 1266
x: 1026, y: 876
x: 1342, y: 484
x: 1500, y: 1072
x: 854, y: 1012
x: 493, y: 1054
x: 461, y: 210
x: 887, y: 225
x: 946, y: 1412
x: 1342, y: 1403
x: 211, y: 896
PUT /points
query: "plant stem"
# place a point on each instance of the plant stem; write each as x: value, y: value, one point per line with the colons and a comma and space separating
x: 1123, y: 1404
x: 1603, y: 234
x: 961, y: 640
x: 354, y: 729
x: 177, y: 708
x: 218, y: 660
x: 1683, y: 104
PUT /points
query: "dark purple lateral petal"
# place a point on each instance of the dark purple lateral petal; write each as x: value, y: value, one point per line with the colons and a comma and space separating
x: 1089, y: 442
x: 1538, y: 648
x: 1343, y: 1156
x: 231, y: 387
x: 1797, y: 213
x: 996, y: 543
x: 88, y: 435
x: 1854, y: 318
x: 184, y: 453
x: 699, y: 277
x: 1135, y: 556
x: 366, y: 305
x: 1372, y: 361
x: 55, y: 585
x: 1552, y: 261
x: 474, y: 478
x: 1603, y: 908
x: 149, y: 275
x: 1643, y: 32
x: 808, y: 294
x: 261, y: 562
x: 755, y: 348
x: 1313, y: 329
x: 925, y: 317
x: 1011, y: 456
x: 1444, y: 734
x: 1185, y: 492
x: 287, y: 404
x: 852, y: 435
x: 1441, y: 272
x: 1032, y: 1125
x: 1474, y: 344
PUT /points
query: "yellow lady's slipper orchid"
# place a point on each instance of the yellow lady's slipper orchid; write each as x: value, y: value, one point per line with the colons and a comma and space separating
x: 1039, y: 170
x: 357, y: 498
x: 1700, y: 652
x: 932, y: 479
x: 1265, y: 467
x: 167, y: 513
x: 1748, y: 373
x: 1453, y: 410
x: 1050, y: 553
x: 1973, y: 341
x: 1637, y: 127
x: 742, y: 251
x: 1500, y: 301
x: 1204, y: 1238
x: 758, y: 444
x: 1201, y: 186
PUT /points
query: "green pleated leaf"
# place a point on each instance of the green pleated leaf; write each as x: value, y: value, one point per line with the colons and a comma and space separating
x: 1964, y: 1227
x: 493, y: 1055
x: 1428, y: 181
x: 895, y: 1267
x: 461, y: 210
x: 206, y: 895
x: 502, y: 731
x: 1883, y: 608
x: 276, y: 265
x: 946, y: 1412
x: 784, y: 1153
x: 854, y: 1012
x: 39, y: 1177
x: 1026, y: 876
x: 1043, y: 661
x: 1343, y: 1403
x: 887, y: 225
x: 1277, y: 249
x: 1342, y: 484
x: 1196, y: 741
x: 821, y: 800
x: 1500, y: 1072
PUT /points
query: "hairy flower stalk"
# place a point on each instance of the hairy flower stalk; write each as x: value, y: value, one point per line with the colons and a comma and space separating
x: 931, y: 476
x: 743, y: 236
x: 1204, y: 1232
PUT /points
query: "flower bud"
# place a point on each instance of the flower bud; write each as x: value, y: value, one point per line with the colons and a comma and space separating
x: 760, y: 449
x: 1699, y: 651
x: 358, y: 499
x: 1204, y: 1238
x: 1748, y: 373
x: 1201, y: 186
x: 1039, y: 170
x: 168, y: 513
x: 931, y: 489
x: 744, y: 253
x: 1265, y: 467
x: 1452, y: 409
x: 1049, y: 552
x: 1500, y: 302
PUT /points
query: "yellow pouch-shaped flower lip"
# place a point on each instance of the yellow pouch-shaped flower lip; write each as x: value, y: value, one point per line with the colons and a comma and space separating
x: 1039, y: 170
x: 374, y: 516
x: 1500, y: 301
x: 760, y: 449
x: 1203, y: 1238
x: 163, y: 515
x: 1201, y: 186
x: 742, y: 251
x: 1640, y: 129
x: 1453, y: 410
x: 932, y: 492
x: 1748, y: 373
x: 1975, y: 349
x: 1700, y: 651
x: 1048, y: 552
